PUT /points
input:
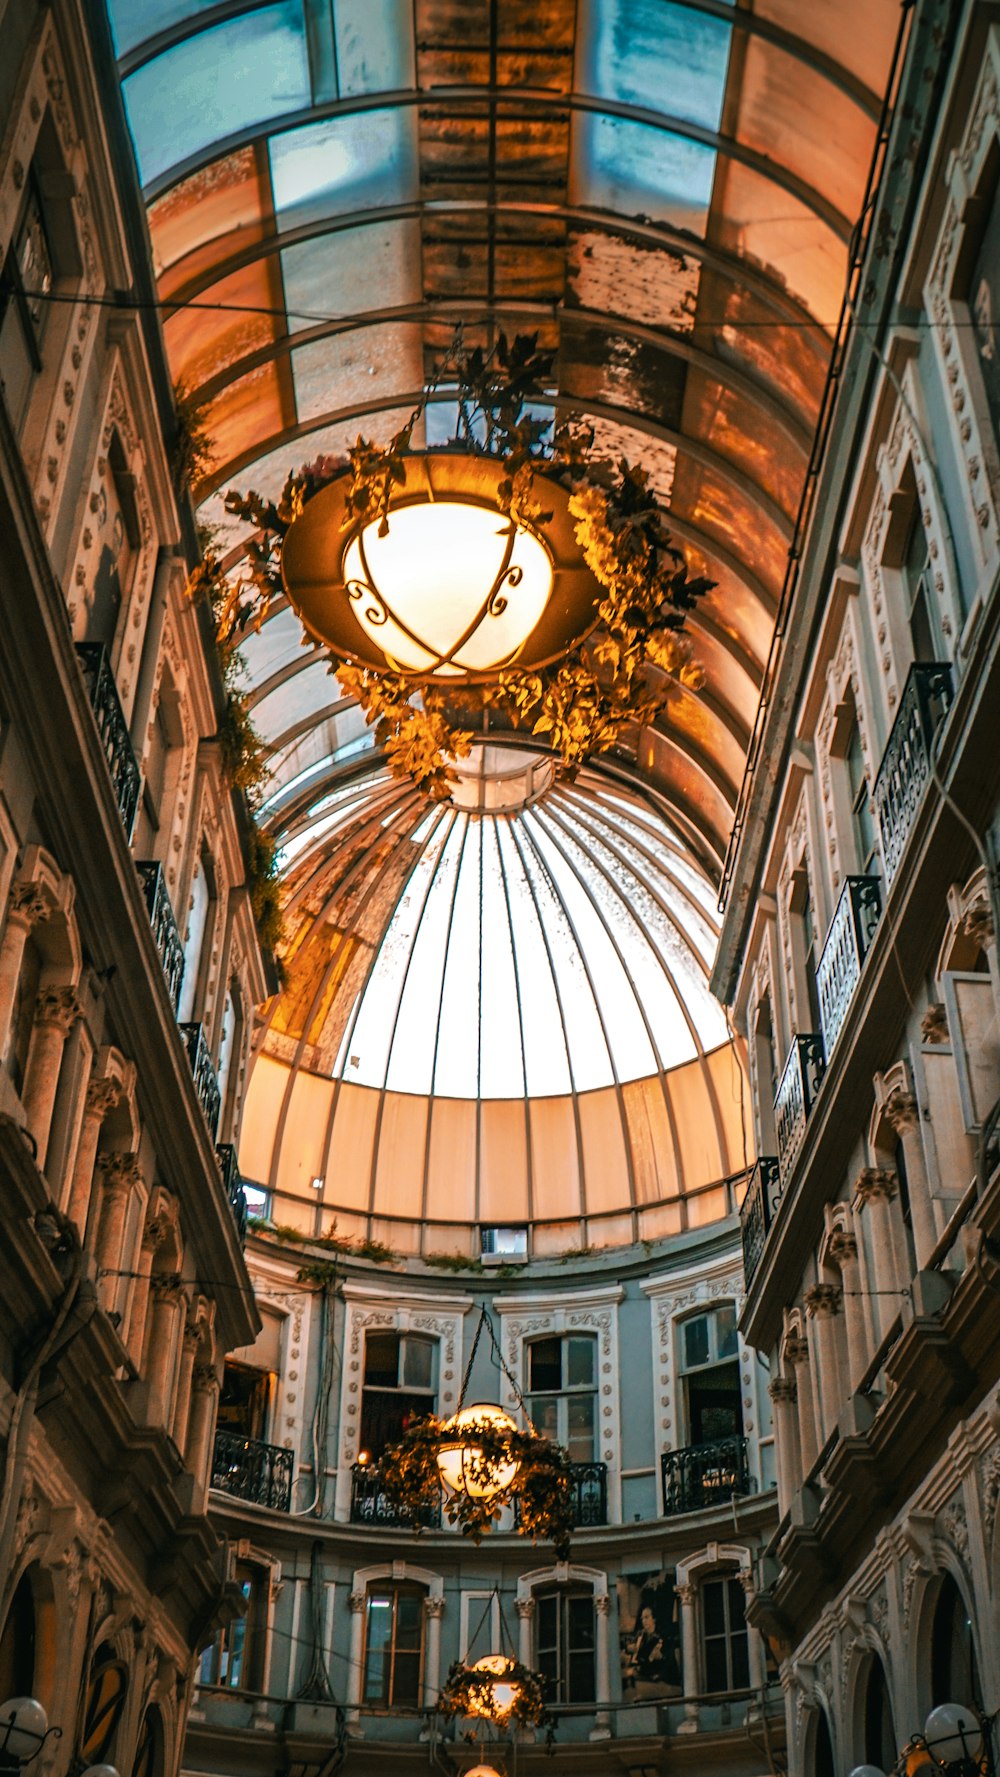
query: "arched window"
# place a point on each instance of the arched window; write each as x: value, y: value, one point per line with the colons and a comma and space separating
x: 565, y: 1639
x: 107, y: 1691
x: 394, y: 1644
x: 879, y: 1729
x: 148, y: 1760
x: 562, y: 1388
x: 196, y: 925
x: 116, y: 523
x: 954, y: 1673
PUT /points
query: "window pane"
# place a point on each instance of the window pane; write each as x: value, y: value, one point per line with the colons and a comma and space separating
x: 406, y: 1680
x: 408, y: 1610
x: 580, y: 1615
x: 545, y: 1416
x: 725, y: 1332
x: 382, y: 1359
x: 547, y: 1620
x: 545, y: 1364
x: 696, y: 1341
x: 580, y: 1427
x: 418, y: 1363
x: 716, y: 1674
x: 714, y: 1609
x: 379, y: 1642
x: 580, y: 1362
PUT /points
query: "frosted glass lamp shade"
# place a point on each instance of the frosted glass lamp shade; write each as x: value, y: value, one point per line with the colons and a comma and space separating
x: 481, y: 1771
x: 461, y: 1462
x: 100, y: 1771
x: 867, y: 1771
x: 450, y: 588
x: 23, y: 1727
x: 953, y: 1733
x: 503, y: 1696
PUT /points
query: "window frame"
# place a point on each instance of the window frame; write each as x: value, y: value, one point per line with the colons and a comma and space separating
x: 401, y: 1390
x: 395, y: 1589
x: 561, y: 1684
x: 243, y: 1640
x: 567, y: 1391
x: 729, y: 1580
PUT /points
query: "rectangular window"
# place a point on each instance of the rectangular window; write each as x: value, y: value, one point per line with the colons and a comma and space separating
x: 394, y: 1636
x: 918, y: 584
x: 709, y: 1361
x: 562, y: 1384
x: 25, y: 282
x: 564, y: 1645
x: 861, y: 808
x: 245, y: 1401
x: 399, y: 1386
x: 724, y: 1636
x: 236, y: 1656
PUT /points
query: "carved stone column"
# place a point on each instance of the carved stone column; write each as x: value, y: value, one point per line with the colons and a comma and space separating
x: 56, y: 1011
x: 26, y: 908
x: 687, y: 1598
x: 876, y: 1192
x: 822, y: 1304
x: 154, y: 1235
x: 903, y: 1113
x: 525, y: 1608
x: 786, y: 1437
x: 190, y: 1341
x: 119, y: 1177
x: 198, y: 1446
x: 602, y: 1720
x: 843, y: 1250
x: 357, y: 1604
x: 161, y: 1346
x: 796, y: 1353
x: 433, y: 1611
x: 101, y: 1097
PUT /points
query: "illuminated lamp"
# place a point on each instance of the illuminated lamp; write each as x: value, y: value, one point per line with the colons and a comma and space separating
x: 502, y: 1697
x: 452, y: 589
x: 481, y: 1771
x: 462, y: 1463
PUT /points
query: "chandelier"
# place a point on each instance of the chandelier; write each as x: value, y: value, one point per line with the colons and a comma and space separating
x: 444, y: 584
x: 512, y: 581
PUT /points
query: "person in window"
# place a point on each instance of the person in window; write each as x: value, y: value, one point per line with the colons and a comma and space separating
x: 651, y: 1667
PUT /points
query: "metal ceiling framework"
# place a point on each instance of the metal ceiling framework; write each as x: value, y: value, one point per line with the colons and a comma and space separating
x: 668, y: 193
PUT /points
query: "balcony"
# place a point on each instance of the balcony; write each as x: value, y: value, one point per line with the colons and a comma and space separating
x: 206, y: 1084
x: 166, y: 937
x: 757, y: 1211
x: 705, y: 1475
x: 796, y: 1095
x: 589, y: 1483
x: 232, y: 1184
x: 906, y: 762
x: 851, y: 932
x: 371, y: 1505
x: 250, y: 1470
x: 112, y: 728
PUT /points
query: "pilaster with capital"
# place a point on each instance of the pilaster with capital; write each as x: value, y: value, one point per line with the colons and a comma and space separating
x: 154, y: 1236
x: 119, y: 1178
x: 842, y: 1251
x: 356, y: 1604
x: 56, y: 1011
x: 101, y: 1097
x: 903, y: 1112
x: 433, y: 1612
x: 783, y: 1395
x: 602, y: 1719
x: 525, y: 1608
x: 190, y: 1341
x: 687, y: 1598
x: 168, y: 1301
x: 796, y: 1353
x: 27, y: 907
x: 201, y: 1426
x: 822, y: 1303
x: 876, y: 1190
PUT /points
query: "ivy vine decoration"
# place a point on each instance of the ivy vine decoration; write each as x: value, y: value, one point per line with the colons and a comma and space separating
x: 473, y: 1690
x: 620, y: 676
x: 540, y: 1491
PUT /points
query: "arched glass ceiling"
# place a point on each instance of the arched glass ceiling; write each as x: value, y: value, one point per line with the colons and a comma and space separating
x: 664, y: 190
x: 555, y: 950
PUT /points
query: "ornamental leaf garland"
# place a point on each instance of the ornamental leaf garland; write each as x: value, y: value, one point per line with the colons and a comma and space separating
x: 409, y: 1476
x: 620, y: 677
x: 469, y: 1690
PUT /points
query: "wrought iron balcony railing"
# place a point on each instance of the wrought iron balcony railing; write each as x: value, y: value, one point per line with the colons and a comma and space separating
x: 589, y: 1482
x: 206, y: 1083
x: 851, y: 932
x: 757, y: 1210
x: 370, y: 1504
x: 232, y: 1184
x: 906, y: 762
x: 796, y: 1094
x: 165, y: 934
x: 248, y: 1469
x: 112, y: 728
x: 705, y: 1475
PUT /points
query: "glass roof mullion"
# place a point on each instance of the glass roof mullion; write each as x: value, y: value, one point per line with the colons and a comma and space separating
x: 595, y: 819
x: 425, y: 1182
x: 520, y: 1026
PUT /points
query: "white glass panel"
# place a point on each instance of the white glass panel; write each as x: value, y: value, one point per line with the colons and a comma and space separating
x: 349, y: 271
x: 344, y: 163
x: 545, y: 1059
x: 374, y: 45
x: 502, y: 1060
x: 655, y: 54
x: 636, y: 168
x: 426, y: 908
x: 456, y: 1070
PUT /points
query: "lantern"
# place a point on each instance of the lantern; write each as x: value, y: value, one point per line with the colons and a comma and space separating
x: 462, y: 1463
x: 503, y: 1697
